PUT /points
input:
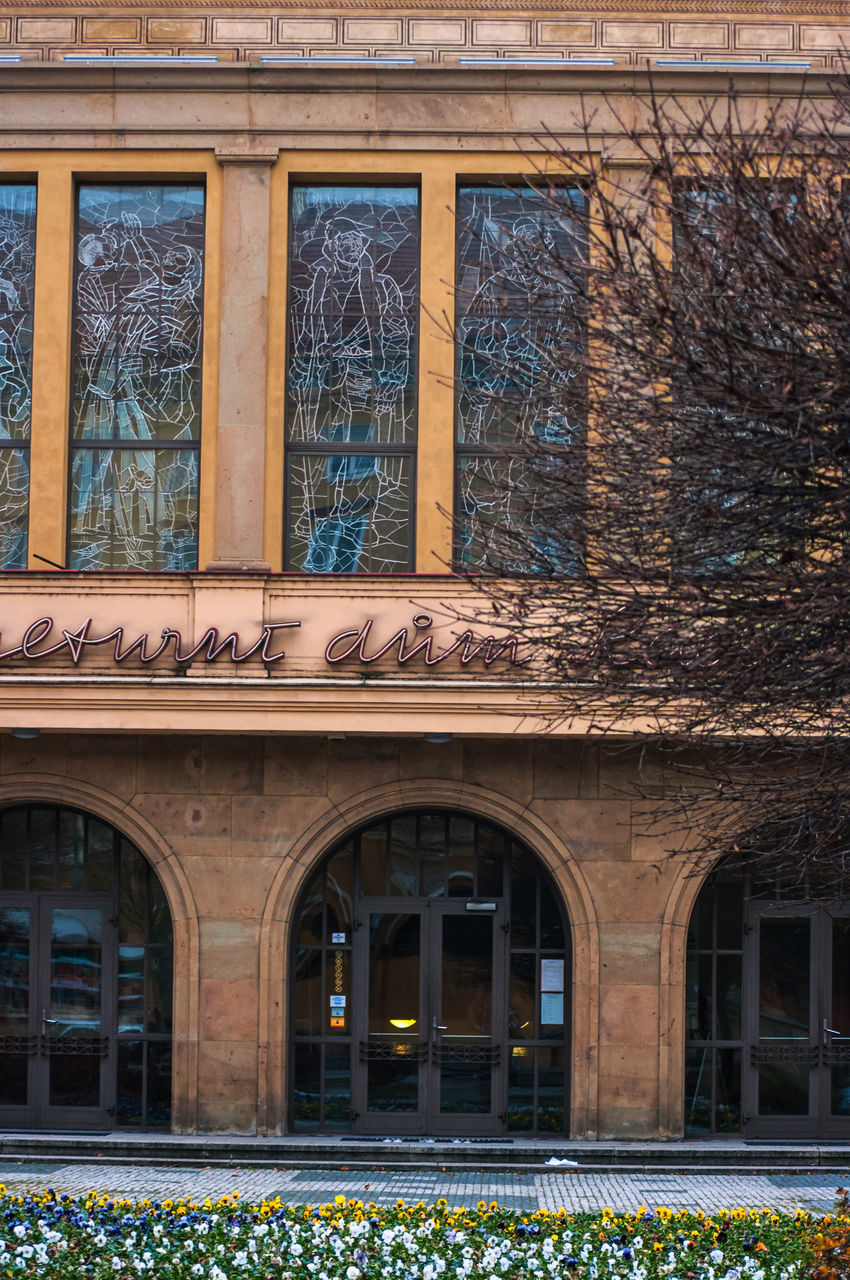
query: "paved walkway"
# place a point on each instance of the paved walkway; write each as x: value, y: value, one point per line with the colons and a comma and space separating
x: 567, y: 1187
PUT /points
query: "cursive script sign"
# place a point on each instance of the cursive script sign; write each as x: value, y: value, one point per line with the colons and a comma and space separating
x: 358, y: 644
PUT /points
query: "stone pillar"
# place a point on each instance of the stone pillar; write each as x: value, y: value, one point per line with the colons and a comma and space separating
x: 241, y: 439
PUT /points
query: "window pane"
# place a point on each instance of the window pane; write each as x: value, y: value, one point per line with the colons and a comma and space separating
x: 14, y: 501
x: 134, y: 509
x: 508, y: 515
x: 519, y: 364
x: 349, y: 513
x: 354, y: 266
x: 137, y: 376
x: 17, y: 276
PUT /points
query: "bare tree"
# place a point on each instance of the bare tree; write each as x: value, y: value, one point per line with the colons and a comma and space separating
x: 675, y: 547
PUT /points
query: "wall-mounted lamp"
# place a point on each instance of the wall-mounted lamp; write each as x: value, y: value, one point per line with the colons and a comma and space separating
x: 437, y: 738
x: 25, y: 733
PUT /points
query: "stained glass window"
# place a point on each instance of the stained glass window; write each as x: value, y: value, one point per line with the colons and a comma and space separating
x: 351, y: 378
x: 136, y: 389
x: 519, y: 371
x: 17, y: 277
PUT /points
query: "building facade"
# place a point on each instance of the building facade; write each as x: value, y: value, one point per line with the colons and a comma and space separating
x: 286, y: 843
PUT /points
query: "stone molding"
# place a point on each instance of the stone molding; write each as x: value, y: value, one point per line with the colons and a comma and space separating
x: 628, y: 31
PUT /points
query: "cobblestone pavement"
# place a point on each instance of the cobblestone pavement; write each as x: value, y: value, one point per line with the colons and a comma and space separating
x: 569, y: 1188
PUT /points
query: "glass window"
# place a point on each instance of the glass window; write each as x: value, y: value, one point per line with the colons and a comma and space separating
x: 351, y: 378
x: 136, y: 377
x: 17, y: 278
x: 519, y: 370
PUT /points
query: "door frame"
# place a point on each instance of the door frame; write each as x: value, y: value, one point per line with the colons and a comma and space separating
x: 38, y: 1113
x: 818, y: 1122
x: 428, y: 1119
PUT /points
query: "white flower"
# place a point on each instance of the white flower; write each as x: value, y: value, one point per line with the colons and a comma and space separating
x: 20, y: 1231
x: 353, y: 1273
x: 116, y: 1264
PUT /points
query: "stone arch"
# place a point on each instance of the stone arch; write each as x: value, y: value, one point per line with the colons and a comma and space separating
x: 379, y: 802
x: 690, y: 879
x: 35, y: 788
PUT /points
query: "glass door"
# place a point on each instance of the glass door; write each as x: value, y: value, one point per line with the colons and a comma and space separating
x: 835, y: 1031
x: 55, y: 1011
x: 77, y: 949
x: 430, y: 1057
x: 797, y: 1079
x: 468, y: 1007
x: 390, y: 1095
x: 18, y: 1028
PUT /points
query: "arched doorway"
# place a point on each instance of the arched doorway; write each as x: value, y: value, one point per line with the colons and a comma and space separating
x: 430, y: 973
x: 86, y: 955
x: 767, y: 1018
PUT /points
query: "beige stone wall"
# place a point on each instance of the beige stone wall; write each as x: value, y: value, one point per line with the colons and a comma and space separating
x: 233, y: 824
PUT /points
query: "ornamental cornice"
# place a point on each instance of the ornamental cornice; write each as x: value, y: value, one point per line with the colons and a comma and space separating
x: 629, y: 8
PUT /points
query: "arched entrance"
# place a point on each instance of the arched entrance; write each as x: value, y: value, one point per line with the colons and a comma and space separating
x: 430, y: 974
x: 767, y: 1012
x: 86, y: 953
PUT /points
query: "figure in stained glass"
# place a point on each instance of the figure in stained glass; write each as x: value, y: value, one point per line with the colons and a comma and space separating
x: 17, y: 278
x: 350, y: 404
x: 519, y: 368
x: 137, y: 378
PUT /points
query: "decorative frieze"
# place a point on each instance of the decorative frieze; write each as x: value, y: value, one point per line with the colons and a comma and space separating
x: 630, y: 34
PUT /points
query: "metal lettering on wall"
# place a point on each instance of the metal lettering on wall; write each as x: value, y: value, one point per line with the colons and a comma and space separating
x: 356, y: 643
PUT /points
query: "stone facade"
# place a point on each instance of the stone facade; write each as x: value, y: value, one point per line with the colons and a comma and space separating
x: 235, y: 780
x: 233, y: 824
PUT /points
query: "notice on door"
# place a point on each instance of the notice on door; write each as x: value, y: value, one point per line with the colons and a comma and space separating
x: 552, y: 1008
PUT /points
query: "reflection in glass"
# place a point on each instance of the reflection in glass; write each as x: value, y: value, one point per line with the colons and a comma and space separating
x: 393, y: 1068
x: 522, y: 997
x: 337, y: 1087
x: 784, y: 986
x: 308, y: 991
x: 840, y: 1017
x: 783, y: 1089
x: 17, y: 280
x: 13, y: 849
x: 136, y: 377
x: 130, y: 1104
x: 14, y: 1004
x: 306, y: 1093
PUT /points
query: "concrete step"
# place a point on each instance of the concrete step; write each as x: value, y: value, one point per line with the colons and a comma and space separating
x: 493, y: 1155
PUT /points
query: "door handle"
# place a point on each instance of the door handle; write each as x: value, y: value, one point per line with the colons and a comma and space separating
x: 45, y: 1022
x: 829, y: 1031
x: 436, y: 1026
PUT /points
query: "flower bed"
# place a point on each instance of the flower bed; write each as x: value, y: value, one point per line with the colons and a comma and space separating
x: 58, y: 1236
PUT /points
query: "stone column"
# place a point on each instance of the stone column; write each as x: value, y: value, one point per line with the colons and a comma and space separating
x: 240, y: 451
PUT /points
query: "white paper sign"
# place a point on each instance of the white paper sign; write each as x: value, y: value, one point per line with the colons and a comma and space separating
x: 551, y: 975
x: 337, y: 1002
x: 552, y: 1009
x: 337, y: 937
